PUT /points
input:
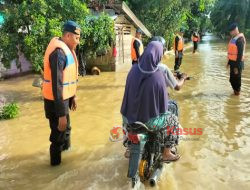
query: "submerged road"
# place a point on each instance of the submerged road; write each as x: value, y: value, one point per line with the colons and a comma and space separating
x: 217, y: 159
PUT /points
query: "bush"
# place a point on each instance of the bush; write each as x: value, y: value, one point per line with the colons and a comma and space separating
x: 9, y: 111
x: 99, y: 37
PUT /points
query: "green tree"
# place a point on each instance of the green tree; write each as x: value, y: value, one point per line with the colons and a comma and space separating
x: 30, y: 24
x: 226, y: 12
x: 198, y: 19
x: 165, y: 17
x: 98, y: 36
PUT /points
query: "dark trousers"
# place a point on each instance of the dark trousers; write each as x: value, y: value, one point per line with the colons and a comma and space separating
x: 195, y: 46
x: 178, y: 61
x: 235, y: 75
x: 134, y: 62
x: 59, y: 140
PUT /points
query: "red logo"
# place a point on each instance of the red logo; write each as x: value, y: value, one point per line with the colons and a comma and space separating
x: 184, y: 131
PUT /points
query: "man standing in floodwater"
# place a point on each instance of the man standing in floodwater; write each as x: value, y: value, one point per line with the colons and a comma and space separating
x: 136, y: 47
x: 236, y: 49
x: 195, y: 38
x: 59, y: 87
x: 178, y: 49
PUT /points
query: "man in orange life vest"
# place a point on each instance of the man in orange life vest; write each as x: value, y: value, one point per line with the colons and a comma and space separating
x: 59, y: 87
x: 236, y: 48
x: 178, y: 49
x: 195, y: 39
x: 136, y: 47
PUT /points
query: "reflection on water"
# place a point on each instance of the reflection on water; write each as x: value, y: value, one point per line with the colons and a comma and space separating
x: 218, y: 160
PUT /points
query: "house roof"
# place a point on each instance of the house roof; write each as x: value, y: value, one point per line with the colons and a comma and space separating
x: 122, y: 8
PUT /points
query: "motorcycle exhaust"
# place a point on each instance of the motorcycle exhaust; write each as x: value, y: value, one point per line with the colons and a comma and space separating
x: 154, y: 177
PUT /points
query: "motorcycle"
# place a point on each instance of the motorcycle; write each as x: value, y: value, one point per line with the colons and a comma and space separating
x: 146, y: 148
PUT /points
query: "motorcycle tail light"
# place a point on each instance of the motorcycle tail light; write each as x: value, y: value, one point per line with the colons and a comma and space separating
x: 134, y: 138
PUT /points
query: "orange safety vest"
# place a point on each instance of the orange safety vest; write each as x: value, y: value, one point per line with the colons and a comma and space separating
x: 233, y: 50
x: 195, y: 39
x: 70, y: 73
x: 180, y: 43
x: 133, y: 52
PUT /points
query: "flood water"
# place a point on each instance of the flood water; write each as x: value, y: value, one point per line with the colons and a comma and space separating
x: 217, y: 159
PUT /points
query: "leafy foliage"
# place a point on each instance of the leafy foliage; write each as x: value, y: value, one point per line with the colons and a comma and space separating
x: 226, y: 12
x: 98, y: 36
x: 9, y: 111
x: 30, y: 24
x: 198, y: 18
x: 165, y: 17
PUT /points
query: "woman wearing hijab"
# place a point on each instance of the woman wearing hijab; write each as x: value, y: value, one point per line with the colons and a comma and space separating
x: 146, y: 98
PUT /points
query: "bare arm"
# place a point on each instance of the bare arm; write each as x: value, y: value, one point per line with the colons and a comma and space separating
x: 179, y: 84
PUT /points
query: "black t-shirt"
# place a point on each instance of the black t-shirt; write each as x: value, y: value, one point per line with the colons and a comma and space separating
x: 137, y: 48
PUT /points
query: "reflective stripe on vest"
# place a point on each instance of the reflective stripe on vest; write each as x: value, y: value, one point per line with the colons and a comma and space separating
x: 180, y: 43
x: 233, y: 50
x: 133, y: 52
x: 70, y: 73
x: 64, y: 84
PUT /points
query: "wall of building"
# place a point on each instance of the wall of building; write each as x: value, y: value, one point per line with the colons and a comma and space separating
x: 15, y: 70
x: 125, y: 31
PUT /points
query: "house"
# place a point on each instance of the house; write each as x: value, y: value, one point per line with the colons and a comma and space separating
x: 126, y: 24
x: 23, y: 67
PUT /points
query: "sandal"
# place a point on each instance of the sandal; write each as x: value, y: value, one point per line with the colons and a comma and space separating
x: 175, y: 158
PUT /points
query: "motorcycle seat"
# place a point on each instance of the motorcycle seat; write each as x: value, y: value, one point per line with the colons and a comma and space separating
x: 138, y: 128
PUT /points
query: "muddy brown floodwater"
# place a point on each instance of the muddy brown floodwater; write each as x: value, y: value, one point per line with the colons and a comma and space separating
x: 217, y: 159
